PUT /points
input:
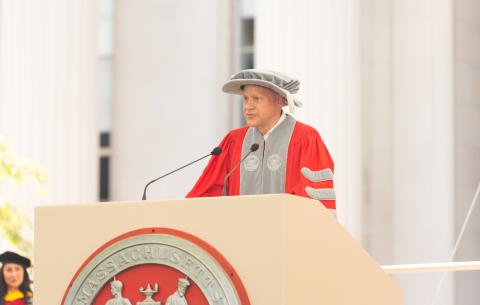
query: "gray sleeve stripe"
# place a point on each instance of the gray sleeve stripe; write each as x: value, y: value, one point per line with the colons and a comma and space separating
x: 320, y: 194
x: 317, y: 176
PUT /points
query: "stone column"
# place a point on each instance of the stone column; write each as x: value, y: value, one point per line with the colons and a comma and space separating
x: 48, y: 92
x: 408, y: 115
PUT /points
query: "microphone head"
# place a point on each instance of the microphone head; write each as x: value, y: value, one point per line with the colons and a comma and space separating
x: 254, y: 147
x: 216, y: 151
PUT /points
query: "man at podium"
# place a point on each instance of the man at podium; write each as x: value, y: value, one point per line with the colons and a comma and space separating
x: 273, y: 153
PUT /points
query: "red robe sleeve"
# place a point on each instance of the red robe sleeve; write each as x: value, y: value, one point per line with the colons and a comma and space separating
x: 307, y: 149
x: 210, y: 182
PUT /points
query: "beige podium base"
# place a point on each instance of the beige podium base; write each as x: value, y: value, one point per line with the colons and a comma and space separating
x: 287, y: 249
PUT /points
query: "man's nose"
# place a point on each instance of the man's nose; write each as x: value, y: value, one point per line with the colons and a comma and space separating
x: 248, y: 105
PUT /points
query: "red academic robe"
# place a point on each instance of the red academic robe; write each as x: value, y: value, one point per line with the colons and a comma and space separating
x: 16, y: 298
x: 306, y: 149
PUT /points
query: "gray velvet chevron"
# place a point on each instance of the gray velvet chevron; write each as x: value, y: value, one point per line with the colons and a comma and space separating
x: 320, y: 194
x: 317, y: 176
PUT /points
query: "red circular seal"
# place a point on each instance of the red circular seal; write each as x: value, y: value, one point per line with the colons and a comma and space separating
x: 156, y: 266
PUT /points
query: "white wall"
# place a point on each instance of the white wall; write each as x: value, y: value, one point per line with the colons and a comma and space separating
x: 171, y: 58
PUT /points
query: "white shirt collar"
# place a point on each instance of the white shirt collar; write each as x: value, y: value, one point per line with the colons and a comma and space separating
x: 282, y: 118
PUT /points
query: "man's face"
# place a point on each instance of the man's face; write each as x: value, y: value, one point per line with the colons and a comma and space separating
x: 261, y: 107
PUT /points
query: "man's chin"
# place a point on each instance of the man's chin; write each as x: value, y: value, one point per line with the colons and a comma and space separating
x: 251, y: 123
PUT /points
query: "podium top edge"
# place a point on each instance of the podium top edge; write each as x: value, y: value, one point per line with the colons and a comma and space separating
x: 219, y: 199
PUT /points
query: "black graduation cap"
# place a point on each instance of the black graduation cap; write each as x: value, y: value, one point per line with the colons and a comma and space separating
x: 12, y: 257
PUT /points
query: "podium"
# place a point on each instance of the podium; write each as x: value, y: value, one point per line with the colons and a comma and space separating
x: 284, y: 249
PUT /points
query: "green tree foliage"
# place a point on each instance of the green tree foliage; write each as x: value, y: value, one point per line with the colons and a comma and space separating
x: 15, y: 226
x: 14, y: 223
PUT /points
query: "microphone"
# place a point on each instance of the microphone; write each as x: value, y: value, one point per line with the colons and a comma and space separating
x: 215, y: 152
x: 253, y: 148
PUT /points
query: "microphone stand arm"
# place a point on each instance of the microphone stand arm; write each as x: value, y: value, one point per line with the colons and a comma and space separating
x: 224, y: 189
x: 144, y: 197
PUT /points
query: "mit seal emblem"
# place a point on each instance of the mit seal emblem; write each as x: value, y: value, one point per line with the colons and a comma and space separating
x: 156, y: 267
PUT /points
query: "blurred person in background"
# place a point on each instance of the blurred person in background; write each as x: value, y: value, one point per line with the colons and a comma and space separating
x: 14, y: 280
